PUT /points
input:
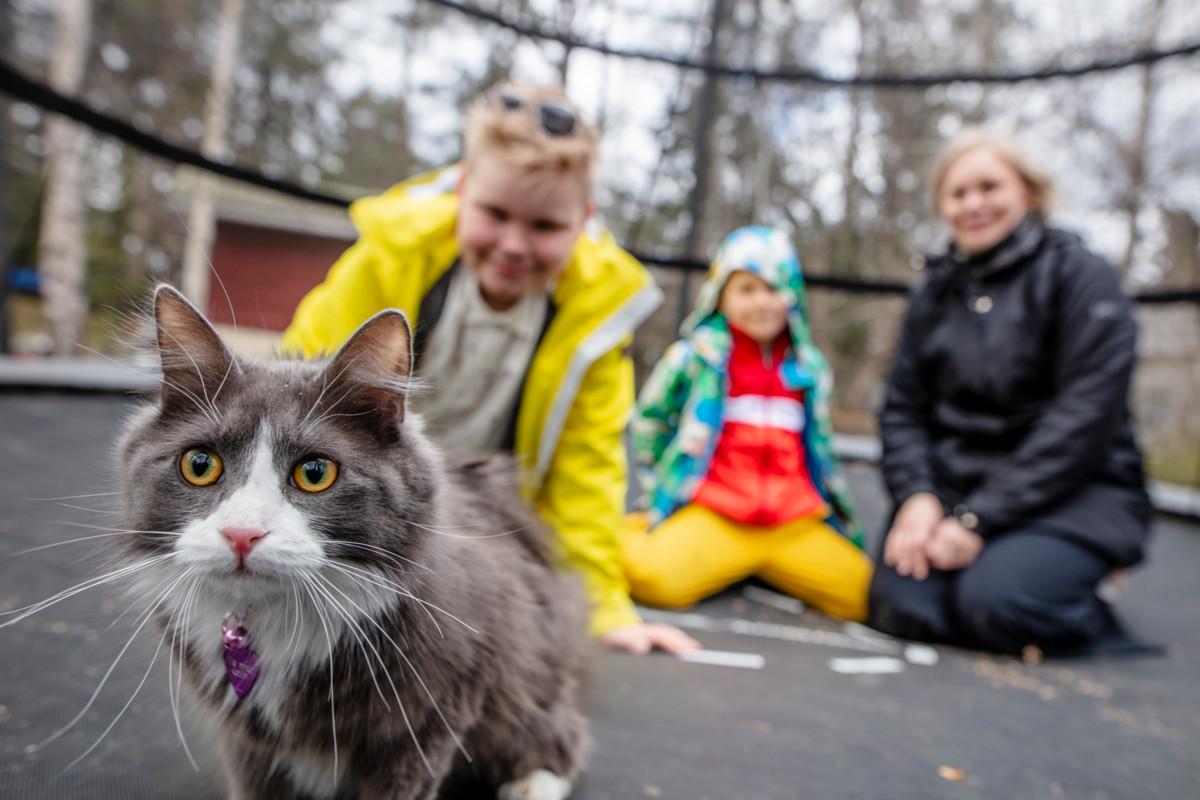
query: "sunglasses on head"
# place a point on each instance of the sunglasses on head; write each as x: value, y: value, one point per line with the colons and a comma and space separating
x: 556, y: 119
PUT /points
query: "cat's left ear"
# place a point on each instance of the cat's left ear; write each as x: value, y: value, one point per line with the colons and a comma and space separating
x: 374, y: 366
x: 195, y: 362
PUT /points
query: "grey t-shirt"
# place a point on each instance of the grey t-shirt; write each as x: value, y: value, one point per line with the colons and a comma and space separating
x: 474, y: 363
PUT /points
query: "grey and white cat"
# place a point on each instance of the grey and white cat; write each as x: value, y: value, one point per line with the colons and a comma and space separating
x: 362, y: 619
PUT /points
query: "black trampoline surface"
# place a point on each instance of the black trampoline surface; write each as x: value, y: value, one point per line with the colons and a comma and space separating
x: 967, y: 726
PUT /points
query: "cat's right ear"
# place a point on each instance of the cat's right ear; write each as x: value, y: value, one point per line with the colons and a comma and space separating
x: 195, y: 362
x: 374, y: 367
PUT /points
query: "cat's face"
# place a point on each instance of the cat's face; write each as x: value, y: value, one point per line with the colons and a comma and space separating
x: 249, y: 475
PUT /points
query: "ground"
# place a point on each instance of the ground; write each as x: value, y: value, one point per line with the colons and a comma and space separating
x: 968, y: 726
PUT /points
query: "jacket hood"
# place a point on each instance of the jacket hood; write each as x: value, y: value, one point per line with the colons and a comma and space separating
x: 762, y: 251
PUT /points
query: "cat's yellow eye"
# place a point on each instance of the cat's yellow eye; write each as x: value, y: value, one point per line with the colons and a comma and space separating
x: 201, y: 467
x: 314, y: 474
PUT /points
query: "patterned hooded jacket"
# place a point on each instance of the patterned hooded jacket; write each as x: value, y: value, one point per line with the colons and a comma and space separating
x: 680, y: 411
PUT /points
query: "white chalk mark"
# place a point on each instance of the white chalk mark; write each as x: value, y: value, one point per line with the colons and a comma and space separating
x: 724, y: 658
x: 873, y: 665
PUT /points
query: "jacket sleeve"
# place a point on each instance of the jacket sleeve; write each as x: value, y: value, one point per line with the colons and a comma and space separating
x: 1092, y: 367
x: 583, y: 495
x: 907, y: 462
x: 834, y: 480
x: 656, y: 416
x: 334, y: 309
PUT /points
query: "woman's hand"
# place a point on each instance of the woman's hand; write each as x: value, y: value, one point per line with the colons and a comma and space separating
x: 913, y: 527
x: 642, y: 638
x: 952, y: 546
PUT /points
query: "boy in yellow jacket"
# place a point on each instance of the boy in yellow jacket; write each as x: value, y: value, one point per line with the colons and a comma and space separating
x: 521, y: 313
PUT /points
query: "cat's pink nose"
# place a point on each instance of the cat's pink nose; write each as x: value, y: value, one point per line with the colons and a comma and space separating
x: 242, y: 540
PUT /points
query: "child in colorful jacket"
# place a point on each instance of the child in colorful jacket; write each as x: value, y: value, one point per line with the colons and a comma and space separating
x: 735, y: 451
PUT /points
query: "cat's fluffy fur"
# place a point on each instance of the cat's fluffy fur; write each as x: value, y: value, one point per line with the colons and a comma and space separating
x: 453, y: 636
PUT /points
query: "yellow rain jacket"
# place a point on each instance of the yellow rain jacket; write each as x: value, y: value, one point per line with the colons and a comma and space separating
x: 579, y: 391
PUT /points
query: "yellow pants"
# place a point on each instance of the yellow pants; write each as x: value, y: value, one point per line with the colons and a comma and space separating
x: 697, y: 552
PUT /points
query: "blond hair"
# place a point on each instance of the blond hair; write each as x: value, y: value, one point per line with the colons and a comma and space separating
x: 516, y: 138
x: 1036, y: 179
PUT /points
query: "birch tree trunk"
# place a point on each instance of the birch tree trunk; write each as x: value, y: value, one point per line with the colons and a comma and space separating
x: 1137, y: 155
x: 61, y: 254
x: 201, y: 219
x: 6, y: 199
x: 566, y: 16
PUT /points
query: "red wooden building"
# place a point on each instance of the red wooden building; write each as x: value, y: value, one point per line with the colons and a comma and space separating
x: 268, y: 251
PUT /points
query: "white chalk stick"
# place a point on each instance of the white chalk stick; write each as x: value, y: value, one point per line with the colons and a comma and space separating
x: 875, y: 665
x: 921, y: 654
x: 724, y: 658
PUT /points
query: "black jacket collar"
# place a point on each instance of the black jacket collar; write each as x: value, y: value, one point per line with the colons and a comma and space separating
x: 1022, y: 242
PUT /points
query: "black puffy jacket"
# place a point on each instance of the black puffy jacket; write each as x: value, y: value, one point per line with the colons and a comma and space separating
x: 1008, y: 393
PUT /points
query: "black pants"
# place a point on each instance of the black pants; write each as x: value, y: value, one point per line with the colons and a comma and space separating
x: 1026, y: 588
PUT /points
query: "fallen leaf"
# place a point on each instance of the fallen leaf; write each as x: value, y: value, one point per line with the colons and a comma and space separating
x: 951, y: 773
x: 653, y: 791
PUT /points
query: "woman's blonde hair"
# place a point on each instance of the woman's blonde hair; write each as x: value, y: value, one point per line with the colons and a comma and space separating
x: 517, y: 137
x: 1037, y: 180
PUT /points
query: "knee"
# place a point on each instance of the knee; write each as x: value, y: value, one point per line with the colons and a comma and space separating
x: 853, y: 601
x: 996, y: 617
x: 660, y: 589
x: 902, y: 607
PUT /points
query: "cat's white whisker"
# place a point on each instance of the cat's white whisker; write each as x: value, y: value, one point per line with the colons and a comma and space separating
x: 75, y: 541
x: 29, y: 610
x: 224, y: 378
x: 71, y: 497
x: 329, y: 645
x: 191, y: 396
x: 437, y: 709
x: 398, y: 589
x: 154, y: 375
x: 133, y: 603
x: 391, y: 556
x: 403, y: 712
x: 199, y: 374
x: 328, y: 415
x: 325, y: 384
x: 333, y: 405
x: 175, y: 679
x: 394, y: 588
x: 188, y: 230
x: 124, y: 708
x: 296, y: 622
x: 442, y: 530
x: 89, y: 526
x: 360, y: 637
x: 86, y: 508
x: 146, y: 617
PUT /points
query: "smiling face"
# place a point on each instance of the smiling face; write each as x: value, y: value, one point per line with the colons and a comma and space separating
x: 982, y: 198
x: 515, y: 231
x: 753, y: 307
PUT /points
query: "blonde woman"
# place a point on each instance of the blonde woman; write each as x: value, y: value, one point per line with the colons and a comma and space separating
x: 1008, y: 448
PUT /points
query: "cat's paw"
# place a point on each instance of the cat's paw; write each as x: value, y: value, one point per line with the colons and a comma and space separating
x: 538, y: 785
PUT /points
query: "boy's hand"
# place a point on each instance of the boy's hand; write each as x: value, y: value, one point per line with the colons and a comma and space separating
x: 642, y: 638
x: 911, y: 531
x: 952, y: 546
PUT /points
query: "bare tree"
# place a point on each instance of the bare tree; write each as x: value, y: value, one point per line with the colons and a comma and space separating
x: 5, y: 198
x: 61, y: 252
x: 1136, y: 155
x: 201, y: 223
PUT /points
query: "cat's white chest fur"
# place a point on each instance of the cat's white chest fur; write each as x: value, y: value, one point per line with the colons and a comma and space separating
x: 288, y: 634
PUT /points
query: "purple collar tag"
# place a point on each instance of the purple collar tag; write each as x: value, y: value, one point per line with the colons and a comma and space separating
x: 241, y: 663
